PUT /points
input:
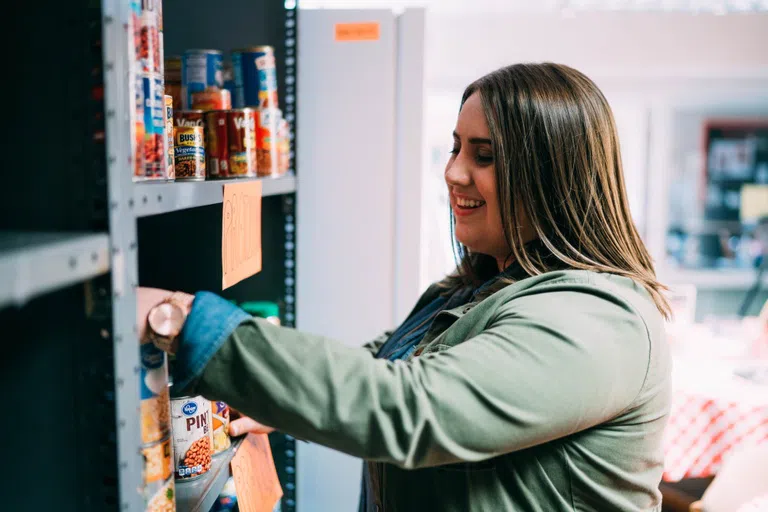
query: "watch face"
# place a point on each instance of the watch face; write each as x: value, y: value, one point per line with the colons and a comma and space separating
x: 166, y: 320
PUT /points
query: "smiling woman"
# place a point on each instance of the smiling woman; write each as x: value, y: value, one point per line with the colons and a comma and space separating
x: 535, y: 377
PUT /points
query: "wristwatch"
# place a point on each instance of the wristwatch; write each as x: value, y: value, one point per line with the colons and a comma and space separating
x: 165, y: 321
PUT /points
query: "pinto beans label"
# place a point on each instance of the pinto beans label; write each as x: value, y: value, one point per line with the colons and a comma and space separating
x: 192, y: 436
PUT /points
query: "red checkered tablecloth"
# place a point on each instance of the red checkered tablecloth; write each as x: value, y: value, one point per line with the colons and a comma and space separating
x: 713, y: 411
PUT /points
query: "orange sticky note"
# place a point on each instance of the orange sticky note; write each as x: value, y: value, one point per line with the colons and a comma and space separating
x: 366, y: 31
x: 253, y: 470
x: 240, y: 232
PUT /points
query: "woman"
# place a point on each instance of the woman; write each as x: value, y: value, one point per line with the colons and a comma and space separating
x: 536, y: 377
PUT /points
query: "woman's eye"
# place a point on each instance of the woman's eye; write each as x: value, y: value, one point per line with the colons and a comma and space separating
x: 454, y: 151
x: 484, y: 159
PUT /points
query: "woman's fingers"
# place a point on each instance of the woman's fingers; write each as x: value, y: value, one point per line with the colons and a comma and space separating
x: 244, y: 425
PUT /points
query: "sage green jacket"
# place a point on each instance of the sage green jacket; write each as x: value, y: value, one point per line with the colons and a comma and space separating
x: 551, y: 394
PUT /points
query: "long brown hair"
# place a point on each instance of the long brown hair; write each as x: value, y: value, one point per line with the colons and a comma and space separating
x: 557, y: 159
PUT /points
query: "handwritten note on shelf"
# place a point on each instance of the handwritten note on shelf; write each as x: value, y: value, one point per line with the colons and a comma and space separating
x: 365, y: 31
x: 253, y: 470
x: 240, y: 232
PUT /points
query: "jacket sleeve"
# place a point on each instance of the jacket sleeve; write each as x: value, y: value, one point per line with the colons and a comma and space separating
x: 529, y: 378
x: 374, y: 345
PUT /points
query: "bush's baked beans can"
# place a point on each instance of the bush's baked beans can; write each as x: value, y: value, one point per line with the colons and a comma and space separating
x: 170, y: 171
x: 189, y: 153
x: 218, y: 99
x: 267, y: 142
x: 187, y: 118
x: 154, y: 127
x: 216, y: 144
x: 153, y: 393
x: 255, y: 77
x: 192, y: 436
x: 241, y: 137
x: 220, y: 418
x: 158, y: 464
x: 200, y: 70
x: 163, y: 499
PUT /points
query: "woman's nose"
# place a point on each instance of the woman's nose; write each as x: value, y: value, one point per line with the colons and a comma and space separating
x: 457, y: 174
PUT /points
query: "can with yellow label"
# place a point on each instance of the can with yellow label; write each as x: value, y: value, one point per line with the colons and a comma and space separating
x: 220, y: 419
x: 189, y: 153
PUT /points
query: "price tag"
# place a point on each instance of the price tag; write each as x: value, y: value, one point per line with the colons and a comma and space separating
x: 367, y: 31
x: 240, y: 232
x: 253, y: 470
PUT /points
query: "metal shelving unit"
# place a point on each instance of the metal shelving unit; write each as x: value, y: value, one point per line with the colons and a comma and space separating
x: 156, y: 198
x: 77, y: 237
x: 33, y: 263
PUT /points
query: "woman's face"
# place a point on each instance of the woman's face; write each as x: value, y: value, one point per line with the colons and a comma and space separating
x: 471, y: 178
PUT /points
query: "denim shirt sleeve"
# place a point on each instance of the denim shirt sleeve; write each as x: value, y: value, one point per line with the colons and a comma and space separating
x: 211, y: 321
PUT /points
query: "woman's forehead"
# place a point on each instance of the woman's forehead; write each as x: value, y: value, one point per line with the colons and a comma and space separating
x: 471, y: 120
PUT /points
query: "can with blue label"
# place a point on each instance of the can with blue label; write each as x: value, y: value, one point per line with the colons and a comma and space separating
x: 255, y: 77
x: 155, y: 404
x: 155, y: 167
x: 192, y: 436
x: 200, y: 70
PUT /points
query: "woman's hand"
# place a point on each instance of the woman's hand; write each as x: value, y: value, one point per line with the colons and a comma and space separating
x: 244, y: 425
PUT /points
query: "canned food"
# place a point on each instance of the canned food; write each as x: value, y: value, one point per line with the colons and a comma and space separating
x: 188, y: 118
x: 241, y: 137
x: 169, y: 156
x: 162, y: 500
x: 255, y: 77
x: 138, y: 128
x: 153, y: 393
x: 212, y: 99
x: 267, y: 142
x: 189, y: 153
x: 192, y: 436
x: 216, y: 144
x: 283, y: 146
x: 149, y: 50
x: 220, y: 419
x: 229, y: 80
x: 158, y: 463
x: 154, y: 127
x: 200, y: 70
x: 135, y: 7
x: 173, y: 80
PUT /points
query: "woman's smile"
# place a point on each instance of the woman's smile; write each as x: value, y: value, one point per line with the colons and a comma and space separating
x: 465, y: 205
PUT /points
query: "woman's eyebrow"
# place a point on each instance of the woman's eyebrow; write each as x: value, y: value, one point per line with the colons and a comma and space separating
x: 479, y: 140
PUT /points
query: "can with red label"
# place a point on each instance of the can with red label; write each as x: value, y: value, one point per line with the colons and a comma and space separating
x: 216, y: 144
x: 149, y: 50
x: 255, y: 77
x: 188, y: 118
x: 154, y: 127
x: 168, y: 149
x: 242, y: 124
x: 267, y: 142
x: 137, y: 141
x: 212, y: 99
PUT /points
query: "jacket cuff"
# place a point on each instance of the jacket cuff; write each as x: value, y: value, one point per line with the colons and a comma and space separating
x: 209, y: 324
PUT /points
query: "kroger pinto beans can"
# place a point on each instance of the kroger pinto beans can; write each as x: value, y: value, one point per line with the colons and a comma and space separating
x: 192, y: 436
x: 216, y: 144
x: 189, y: 153
x: 241, y: 137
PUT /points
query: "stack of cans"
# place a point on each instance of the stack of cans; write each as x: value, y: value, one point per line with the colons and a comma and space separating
x: 151, y: 139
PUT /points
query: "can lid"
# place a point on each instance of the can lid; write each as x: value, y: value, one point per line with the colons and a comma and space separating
x: 213, y: 52
x: 263, y: 48
x: 261, y: 309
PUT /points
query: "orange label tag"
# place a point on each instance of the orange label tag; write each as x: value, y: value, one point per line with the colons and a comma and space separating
x: 253, y: 470
x: 240, y: 232
x: 369, y: 31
